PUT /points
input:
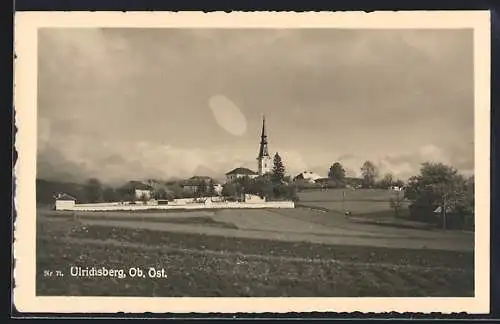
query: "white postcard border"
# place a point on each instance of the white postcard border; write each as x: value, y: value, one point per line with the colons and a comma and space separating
x: 25, y: 88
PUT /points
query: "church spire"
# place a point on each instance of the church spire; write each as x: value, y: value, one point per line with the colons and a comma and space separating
x: 264, y: 161
x: 263, y: 136
x: 263, y: 151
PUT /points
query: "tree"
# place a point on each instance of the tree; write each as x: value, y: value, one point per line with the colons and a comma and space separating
x: 337, y: 172
x: 467, y: 206
x: 109, y: 194
x: 263, y: 187
x: 245, y: 182
x: 202, y: 189
x: 387, y: 181
x: 369, y: 172
x: 160, y: 194
x: 211, y: 188
x: 278, y: 172
x: 229, y: 190
x: 93, y: 190
x: 176, y: 190
x: 439, y: 185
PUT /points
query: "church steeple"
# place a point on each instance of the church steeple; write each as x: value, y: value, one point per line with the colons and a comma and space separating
x: 263, y: 159
x: 263, y: 151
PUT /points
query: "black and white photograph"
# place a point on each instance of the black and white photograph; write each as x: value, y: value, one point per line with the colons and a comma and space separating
x: 235, y: 159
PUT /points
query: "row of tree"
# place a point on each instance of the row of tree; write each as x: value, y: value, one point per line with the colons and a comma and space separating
x: 369, y: 174
x: 438, y: 194
x: 272, y: 185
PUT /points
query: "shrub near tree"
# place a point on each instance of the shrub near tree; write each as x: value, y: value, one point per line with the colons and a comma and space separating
x: 231, y: 191
x: 109, y: 194
x: 93, y: 191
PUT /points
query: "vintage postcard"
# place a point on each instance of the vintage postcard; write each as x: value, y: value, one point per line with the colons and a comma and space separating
x: 252, y: 162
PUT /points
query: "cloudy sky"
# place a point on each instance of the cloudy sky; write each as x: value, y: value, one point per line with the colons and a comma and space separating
x: 122, y: 104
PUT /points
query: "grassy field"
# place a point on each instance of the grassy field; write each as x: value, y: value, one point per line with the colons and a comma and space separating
x: 372, y: 204
x: 202, y: 265
x: 374, y: 195
x: 186, y: 217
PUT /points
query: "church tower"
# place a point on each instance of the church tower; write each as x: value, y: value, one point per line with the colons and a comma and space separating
x: 264, y: 161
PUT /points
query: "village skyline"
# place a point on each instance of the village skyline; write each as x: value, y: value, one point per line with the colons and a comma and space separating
x: 120, y: 104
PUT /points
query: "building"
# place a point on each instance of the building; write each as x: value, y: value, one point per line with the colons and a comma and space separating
x: 240, y: 173
x: 142, y: 190
x: 264, y: 160
x: 307, y: 176
x: 135, y: 190
x: 200, y: 183
x: 143, y: 194
x: 64, y: 202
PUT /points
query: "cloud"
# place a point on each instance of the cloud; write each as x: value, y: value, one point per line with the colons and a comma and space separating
x: 294, y: 161
x: 120, y: 161
x: 407, y: 164
x: 43, y: 133
x: 120, y: 103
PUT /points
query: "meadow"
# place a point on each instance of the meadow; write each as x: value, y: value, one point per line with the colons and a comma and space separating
x: 359, y: 202
x: 301, y: 252
x: 205, y: 266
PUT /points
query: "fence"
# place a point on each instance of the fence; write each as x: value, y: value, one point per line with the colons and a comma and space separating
x: 178, y: 206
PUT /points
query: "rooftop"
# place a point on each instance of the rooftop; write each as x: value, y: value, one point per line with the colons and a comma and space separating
x: 138, y: 185
x: 64, y: 196
x: 198, y: 180
x: 243, y: 171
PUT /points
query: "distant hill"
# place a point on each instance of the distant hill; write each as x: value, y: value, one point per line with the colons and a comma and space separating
x: 206, y: 171
x: 46, y: 189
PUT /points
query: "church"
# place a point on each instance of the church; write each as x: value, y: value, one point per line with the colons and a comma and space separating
x: 264, y: 160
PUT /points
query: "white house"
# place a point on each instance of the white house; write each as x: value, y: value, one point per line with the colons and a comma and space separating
x: 193, y: 184
x: 308, y: 176
x: 143, y: 193
x: 64, y: 202
x: 240, y: 173
x: 141, y: 190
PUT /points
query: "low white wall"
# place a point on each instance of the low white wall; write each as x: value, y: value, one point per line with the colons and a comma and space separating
x: 64, y: 204
x: 212, y: 205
